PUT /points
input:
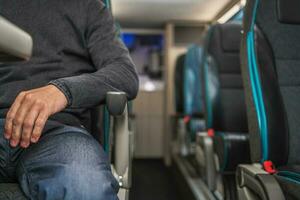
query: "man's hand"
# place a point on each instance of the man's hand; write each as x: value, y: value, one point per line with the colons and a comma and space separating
x: 27, y: 116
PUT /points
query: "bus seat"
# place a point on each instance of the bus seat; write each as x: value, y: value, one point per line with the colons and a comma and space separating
x: 225, y: 110
x: 193, y: 98
x: 178, y: 80
x: 181, y: 126
x: 188, y: 98
x: 270, y: 64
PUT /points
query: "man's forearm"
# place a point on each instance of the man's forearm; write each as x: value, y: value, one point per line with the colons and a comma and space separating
x: 89, y: 90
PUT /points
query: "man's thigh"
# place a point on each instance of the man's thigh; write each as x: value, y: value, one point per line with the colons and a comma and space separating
x: 67, y: 163
x: 7, y: 162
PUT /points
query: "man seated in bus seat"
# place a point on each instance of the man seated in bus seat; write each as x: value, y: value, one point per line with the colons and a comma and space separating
x: 45, y: 103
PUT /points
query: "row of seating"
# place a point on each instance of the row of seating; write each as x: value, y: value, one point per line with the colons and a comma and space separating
x: 250, y: 140
x: 190, y: 111
x: 225, y: 110
x: 213, y: 76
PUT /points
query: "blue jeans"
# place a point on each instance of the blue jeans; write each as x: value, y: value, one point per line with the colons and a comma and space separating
x: 67, y: 163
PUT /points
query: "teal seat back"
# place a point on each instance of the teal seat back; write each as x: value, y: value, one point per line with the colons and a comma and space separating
x: 193, y: 104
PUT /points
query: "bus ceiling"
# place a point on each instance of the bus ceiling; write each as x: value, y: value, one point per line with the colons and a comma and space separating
x: 156, y: 13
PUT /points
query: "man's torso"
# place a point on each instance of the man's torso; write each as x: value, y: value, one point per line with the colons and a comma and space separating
x: 58, y: 31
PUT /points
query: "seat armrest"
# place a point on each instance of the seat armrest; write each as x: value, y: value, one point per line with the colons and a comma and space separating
x: 15, y: 44
x: 253, y: 182
x: 120, y: 137
x: 116, y: 103
x: 206, y: 159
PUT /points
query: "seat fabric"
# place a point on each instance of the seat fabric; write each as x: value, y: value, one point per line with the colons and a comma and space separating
x: 178, y: 82
x: 290, y: 188
x: 289, y: 179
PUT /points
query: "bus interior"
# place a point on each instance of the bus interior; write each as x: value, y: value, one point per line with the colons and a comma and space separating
x: 217, y: 114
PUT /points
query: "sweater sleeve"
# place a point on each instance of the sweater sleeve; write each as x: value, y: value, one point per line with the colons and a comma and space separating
x: 115, y: 70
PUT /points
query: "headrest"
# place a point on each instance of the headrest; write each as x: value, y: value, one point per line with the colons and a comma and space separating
x: 288, y: 11
x: 231, y: 36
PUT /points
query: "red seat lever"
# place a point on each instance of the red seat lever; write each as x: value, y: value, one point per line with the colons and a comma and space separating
x: 211, y: 132
x: 186, y: 119
x: 269, y: 167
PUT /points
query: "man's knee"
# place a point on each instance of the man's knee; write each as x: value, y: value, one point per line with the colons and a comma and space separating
x: 68, y: 166
x: 77, y: 182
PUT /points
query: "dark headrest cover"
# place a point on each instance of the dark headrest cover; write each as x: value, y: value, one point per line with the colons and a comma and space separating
x: 289, y: 11
x: 231, y: 37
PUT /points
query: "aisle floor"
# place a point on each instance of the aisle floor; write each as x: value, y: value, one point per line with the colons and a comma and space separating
x: 152, y: 181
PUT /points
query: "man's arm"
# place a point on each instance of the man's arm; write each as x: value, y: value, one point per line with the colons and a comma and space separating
x: 114, y: 71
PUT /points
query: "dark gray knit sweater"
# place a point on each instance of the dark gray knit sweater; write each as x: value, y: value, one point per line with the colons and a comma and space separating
x: 75, y: 49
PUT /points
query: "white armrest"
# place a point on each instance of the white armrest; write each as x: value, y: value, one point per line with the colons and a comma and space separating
x: 15, y: 44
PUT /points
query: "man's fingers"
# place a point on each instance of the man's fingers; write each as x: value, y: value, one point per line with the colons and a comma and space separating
x: 39, y: 126
x: 18, y: 121
x: 28, y: 114
x: 28, y: 125
x: 8, y: 127
x: 16, y: 134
